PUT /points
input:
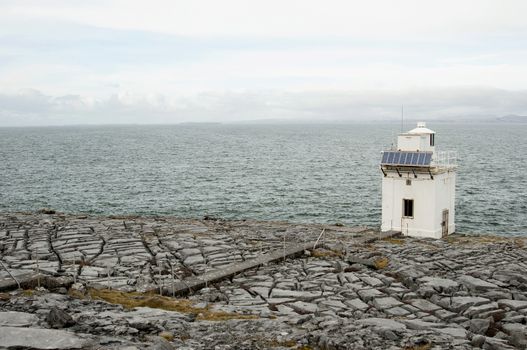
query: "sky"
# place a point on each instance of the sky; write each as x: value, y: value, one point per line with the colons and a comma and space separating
x: 156, y: 61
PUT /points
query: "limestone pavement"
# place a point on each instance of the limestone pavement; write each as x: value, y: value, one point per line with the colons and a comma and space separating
x: 462, y: 292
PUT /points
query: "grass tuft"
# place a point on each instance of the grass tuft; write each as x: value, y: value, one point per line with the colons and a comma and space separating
x: 275, y: 343
x: 425, y: 346
x: 167, y: 335
x: 392, y: 240
x: 28, y: 292
x: 130, y: 300
x: 326, y: 253
x: 381, y: 263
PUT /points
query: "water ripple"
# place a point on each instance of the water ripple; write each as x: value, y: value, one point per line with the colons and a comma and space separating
x: 305, y: 173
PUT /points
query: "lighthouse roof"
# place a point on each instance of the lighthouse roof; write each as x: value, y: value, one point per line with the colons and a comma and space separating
x: 421, y: 129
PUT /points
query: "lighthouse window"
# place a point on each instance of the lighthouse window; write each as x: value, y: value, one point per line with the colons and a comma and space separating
x: 432, y: 139
x: 408, y: 208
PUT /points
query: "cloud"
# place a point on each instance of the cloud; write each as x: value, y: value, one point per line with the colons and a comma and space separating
x: 31, y: 107
x: 127, y: 61
x: 286, y: 18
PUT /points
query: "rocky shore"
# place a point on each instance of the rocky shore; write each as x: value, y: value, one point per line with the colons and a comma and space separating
x: 92, y: 282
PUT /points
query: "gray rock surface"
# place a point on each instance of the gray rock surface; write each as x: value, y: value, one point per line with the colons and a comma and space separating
x: 383, y: 323
x: 476, y: 284
x: 58, y: 318
x: 36, y: 338
x: 479, y: 326
x: 454, y: 293
x: 513, y: 304
x: 17, y: 319
x: 386, y: 303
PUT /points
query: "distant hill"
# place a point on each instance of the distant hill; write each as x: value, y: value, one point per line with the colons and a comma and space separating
x: 513, y: 118
x: 200, y: 123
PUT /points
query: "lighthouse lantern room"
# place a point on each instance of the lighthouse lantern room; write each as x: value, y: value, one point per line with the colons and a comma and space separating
x: 418, y: 186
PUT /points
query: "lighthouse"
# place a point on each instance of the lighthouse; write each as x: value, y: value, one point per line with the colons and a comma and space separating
x: 418, y: 186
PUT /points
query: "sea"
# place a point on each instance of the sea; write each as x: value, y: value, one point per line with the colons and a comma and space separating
x: 305, y: 173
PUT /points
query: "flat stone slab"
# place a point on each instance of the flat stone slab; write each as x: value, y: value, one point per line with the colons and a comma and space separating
x: 442, y: 284
x: 276, y: 301
x: 445, y: 314
x: 422, y: 325
x: 36, y: 338
x: 303, y: 308
x: 386, y: 303
x: 94, y: 271
x: 262, y: 291
x: 425, y: 305
x: 372, y: 281
x: 334, y: 304
x: 356, y: 304
x: 458, y: 304
x: 369, y: 294
x: 454, y: 332
x: 283, y: 293
x: 397, y: 311
x: 194, y: 259
x: 474, y: 311
x: 476, y: 284
x: 511, y: 328
x: 17, y: 319
x: 513, y: 304
x: 384, y: 323
x: 189, y: 252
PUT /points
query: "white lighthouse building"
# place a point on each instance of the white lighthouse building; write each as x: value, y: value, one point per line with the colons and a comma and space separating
x: 418, y: 186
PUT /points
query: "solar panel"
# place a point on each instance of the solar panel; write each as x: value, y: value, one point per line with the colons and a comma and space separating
x: 414, y: 159
x: 428, y: 159
x: 396, y: 157
x: 409, y: 158
x: 403, y: 158
x: 390, y: 157
x: 422, y: 159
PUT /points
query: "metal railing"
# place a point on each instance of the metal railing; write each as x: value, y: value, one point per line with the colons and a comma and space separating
x: 444, y: 159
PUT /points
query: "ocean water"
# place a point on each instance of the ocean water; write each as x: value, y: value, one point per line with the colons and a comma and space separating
x: 303, y: 173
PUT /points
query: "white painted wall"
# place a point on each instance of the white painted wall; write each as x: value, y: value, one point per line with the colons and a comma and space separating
x: 430, y: 198
x: 414, y: 142
x: 445, y: 198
